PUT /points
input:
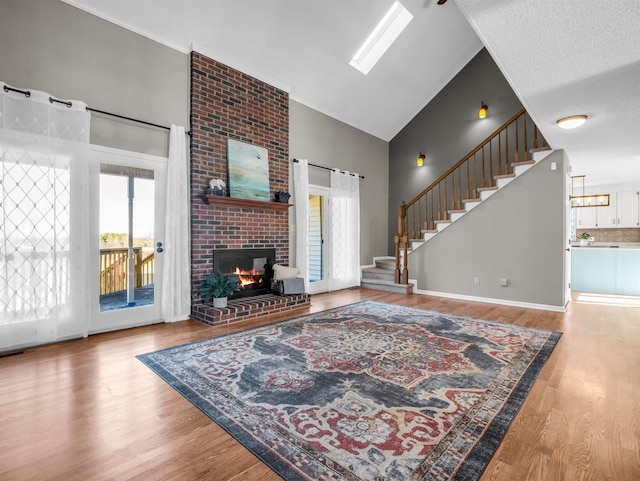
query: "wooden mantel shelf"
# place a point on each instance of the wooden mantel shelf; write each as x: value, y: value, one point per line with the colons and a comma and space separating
x: 235, y: 202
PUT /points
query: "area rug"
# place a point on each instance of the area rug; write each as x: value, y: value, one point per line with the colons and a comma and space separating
x: 368, y: 391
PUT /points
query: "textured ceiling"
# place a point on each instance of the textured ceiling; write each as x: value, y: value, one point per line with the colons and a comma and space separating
x: 570, y: 57
x: 561, y: 57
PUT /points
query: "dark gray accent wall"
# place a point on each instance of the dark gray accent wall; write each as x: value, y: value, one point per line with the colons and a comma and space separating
x: 325, y: 141
x: 48, y: 45
x: 446, y: 130
x: 519, y: 233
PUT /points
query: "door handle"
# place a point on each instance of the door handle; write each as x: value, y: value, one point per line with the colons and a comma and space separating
x: 159, y: 247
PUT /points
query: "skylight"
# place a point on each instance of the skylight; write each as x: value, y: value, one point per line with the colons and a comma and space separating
x: 385, y: 33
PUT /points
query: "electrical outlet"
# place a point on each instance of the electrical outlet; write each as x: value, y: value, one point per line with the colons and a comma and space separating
x: 476, y: 280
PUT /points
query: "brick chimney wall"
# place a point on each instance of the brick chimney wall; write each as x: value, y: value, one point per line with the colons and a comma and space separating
x: 228, y: 104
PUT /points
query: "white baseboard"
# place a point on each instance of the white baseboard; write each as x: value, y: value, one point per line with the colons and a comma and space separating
x: 488, y: 300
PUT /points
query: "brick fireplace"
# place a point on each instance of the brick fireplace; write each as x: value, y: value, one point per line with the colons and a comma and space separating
x: 228, y: 104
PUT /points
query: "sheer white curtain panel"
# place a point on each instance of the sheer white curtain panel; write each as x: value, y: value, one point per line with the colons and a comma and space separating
x: 176, y: 270
x: 345, y: 230
x: 44, y: 219
x: 301, y: 201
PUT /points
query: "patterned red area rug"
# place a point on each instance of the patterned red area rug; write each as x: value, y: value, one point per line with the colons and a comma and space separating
x: 368, y: 391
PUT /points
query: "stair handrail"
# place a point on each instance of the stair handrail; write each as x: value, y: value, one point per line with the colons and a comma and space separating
x: 402, y: 239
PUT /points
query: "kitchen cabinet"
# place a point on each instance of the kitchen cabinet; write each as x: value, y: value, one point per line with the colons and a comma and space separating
x: 606, y: 270
x: 623, y: 211
x: 586, y: 217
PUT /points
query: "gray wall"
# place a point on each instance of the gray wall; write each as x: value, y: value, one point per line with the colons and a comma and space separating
x: 325, y: 141
x: 50, y: 46
x: 518, y: 233
x: 446, y: 130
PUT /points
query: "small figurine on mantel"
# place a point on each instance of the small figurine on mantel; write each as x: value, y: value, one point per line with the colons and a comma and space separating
x: 282, y: 197
x: 217, y: 187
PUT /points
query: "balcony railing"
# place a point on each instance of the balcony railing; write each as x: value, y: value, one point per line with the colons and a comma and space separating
x: 114, y: 269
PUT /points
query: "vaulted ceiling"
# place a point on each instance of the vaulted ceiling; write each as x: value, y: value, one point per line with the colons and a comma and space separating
x: 561, y: 57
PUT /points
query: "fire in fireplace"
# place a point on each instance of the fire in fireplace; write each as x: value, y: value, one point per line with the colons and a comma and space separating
x: 254, y: 268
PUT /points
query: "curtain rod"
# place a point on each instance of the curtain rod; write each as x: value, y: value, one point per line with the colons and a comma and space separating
x: 325, y: 168
x: 27, y: 94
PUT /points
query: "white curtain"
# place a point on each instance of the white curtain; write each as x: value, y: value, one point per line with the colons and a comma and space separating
x: 345, y: 230
x: 44, y: 219
x: 176, y: 273
x: 301, y: 201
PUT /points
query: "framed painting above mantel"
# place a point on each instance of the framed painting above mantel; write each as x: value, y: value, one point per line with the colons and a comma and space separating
x: 248, y: 171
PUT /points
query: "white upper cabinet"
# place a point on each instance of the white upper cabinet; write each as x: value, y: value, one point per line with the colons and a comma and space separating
x: 627, y: 209
x: 622, y: 211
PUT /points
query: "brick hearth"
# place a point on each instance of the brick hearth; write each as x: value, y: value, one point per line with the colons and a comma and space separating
x: 248, y: 308
x: 228, y: 104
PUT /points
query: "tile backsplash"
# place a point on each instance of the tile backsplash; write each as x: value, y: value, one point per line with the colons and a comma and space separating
x: 613, y: 235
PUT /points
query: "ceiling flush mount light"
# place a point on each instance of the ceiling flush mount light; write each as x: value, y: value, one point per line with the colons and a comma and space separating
x: 385, y: 33
x: 420, y: 160
x: 571, y: 122
x: 482, y: 113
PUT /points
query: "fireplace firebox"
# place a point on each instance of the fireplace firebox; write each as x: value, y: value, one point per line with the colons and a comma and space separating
x: 254, y: 268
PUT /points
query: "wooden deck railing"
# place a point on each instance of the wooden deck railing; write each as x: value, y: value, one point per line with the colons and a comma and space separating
x: 492, y: 158
x: 114, y: 269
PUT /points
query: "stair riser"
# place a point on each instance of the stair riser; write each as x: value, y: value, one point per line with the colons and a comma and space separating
x: 408, y: 289
x: 387, y: 266
x: 379, y: 276
x: 521, y: 169
x: 502, y: 182
x: 470, y: 205
x: 485, y: 194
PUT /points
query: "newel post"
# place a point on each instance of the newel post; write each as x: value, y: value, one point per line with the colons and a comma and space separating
x: 402, y: 215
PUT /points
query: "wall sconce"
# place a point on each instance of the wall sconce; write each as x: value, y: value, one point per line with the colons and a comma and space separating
x: 482, y: 113
x: 420, y: 160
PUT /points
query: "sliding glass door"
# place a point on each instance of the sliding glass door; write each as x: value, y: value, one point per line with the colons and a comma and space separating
x: 318, y: 248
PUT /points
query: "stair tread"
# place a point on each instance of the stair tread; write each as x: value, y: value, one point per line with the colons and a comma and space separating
x: 377, y: 270
x: 482, y: 189
x: 524, y: 162
x: 458, y: 211
x: 434, y: 231
x: 380, y: 281
x: 472, y: 200
x: 448, y: 221
x: 504, y: 176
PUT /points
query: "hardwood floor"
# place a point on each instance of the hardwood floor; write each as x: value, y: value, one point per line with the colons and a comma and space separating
x: 88, y: 410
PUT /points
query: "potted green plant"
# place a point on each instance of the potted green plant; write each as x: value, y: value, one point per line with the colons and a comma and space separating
x: 218, y: 286
x: 585, y: 237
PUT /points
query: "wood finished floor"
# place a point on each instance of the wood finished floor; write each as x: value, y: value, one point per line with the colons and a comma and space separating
x: 88, y: 410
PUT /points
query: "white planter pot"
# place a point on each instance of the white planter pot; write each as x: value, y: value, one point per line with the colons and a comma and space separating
x: 219, y: 302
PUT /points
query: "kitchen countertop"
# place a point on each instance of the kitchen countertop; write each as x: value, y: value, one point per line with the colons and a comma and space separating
x: 610, y: 245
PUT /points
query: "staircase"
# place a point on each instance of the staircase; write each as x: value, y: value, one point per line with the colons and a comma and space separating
x: 381, y: 277
x: 456, y: 192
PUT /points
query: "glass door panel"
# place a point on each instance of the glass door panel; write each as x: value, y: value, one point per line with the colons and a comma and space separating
x: 126, y: 237
x: 317, y: 234
x: 128, y: 227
